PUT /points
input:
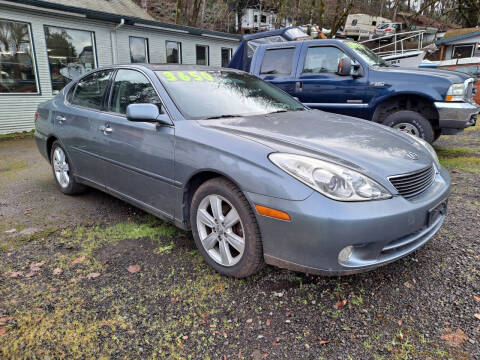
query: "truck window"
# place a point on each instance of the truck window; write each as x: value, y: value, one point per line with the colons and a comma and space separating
x: 277, y: 61
x: 322, y: 59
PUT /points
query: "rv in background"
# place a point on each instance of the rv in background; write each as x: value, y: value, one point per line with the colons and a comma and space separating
x: 362, y: 25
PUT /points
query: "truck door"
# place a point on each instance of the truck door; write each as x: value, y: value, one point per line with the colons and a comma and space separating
x: 278, y: 67
x: 319, y: 86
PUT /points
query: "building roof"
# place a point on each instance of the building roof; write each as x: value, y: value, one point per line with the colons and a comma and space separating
x: 116, y: 10
x: 118, y: 7
x: 458, y: 34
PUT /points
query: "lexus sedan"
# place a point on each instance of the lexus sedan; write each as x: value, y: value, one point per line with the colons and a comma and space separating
x: 258, y: 177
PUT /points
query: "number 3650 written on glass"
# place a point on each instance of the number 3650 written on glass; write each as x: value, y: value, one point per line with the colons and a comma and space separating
x: 187, y: 76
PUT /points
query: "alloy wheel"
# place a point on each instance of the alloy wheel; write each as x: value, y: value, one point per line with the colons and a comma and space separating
x: 220, y: 230
x: 61, y: 168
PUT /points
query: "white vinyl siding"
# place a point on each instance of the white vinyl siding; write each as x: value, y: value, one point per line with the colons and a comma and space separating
x: 16, y: 111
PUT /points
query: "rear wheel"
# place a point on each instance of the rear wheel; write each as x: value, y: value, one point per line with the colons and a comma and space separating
x: 225, y: 229
x: 62, y: 171
x: 412, y: 123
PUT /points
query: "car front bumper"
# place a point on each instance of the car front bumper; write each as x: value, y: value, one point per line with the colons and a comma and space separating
x: 456, y: 116
x: 379, y: 231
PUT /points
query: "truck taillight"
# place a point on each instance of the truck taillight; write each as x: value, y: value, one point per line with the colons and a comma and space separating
x: 35, y: 116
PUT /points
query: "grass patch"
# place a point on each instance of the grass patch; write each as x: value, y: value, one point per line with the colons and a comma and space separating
x: 459, y: 158
x: 17, y: 135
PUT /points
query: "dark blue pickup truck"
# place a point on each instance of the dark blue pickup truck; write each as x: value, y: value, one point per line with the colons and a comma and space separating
x: 345, y: 77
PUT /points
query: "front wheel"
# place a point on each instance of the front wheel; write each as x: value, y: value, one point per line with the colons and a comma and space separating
x: 225, y: 229
x: 412, y: 123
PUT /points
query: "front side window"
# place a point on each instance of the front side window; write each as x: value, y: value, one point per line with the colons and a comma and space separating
x: 226, y: 56
x: 17, y: 60
x: 132, y: 87
x: 71, y: 53
x: 202, y: 55
x: 277, y: 61
x: 211, y: 94
x: 366, y: 54
x: 322, y: 59
x: 90, y: 90
x: 138, y: 50
x: 174, y: 52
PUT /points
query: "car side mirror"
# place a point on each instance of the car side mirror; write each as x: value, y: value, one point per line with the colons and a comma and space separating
x: 344, y: 66
x: 147, y: 113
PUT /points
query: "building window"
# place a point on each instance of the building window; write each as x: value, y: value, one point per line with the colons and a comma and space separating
x: 138, y: 50
x: 226, y: 56
x: 263, y: 18
x: 17, y: 59
x: 71, y: 53
x: 462, y: 51
x: 255, y: 18
x: 174, y: 52
x: 202, y: 55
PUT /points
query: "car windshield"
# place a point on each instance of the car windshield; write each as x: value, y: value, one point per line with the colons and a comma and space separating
x: 217, y: 94
x: 366, y: 54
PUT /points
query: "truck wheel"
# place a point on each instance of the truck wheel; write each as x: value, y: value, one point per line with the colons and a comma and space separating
x: 438, y: 133
x: 225, y: 229
x: 411, y: 122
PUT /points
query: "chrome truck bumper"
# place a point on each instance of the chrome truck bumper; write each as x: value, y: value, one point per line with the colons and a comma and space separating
x: 456, y: 116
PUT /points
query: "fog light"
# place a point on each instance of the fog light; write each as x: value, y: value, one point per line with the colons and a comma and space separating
x: 344, y: 255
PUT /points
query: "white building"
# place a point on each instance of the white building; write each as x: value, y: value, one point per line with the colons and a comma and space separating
x: 43, y: 43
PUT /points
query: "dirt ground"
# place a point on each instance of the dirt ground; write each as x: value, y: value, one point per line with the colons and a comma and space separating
x: 90, y: 277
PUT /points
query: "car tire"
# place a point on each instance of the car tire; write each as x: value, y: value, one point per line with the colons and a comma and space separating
x: 62, y: 171
x: 220, y: 242
x: 437, y: 134
x: 411, y: 122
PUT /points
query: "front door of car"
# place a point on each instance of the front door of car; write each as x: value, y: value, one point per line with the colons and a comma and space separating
x: 76, y: 123
x: 278, y: 67
x: 139, y: 155
x: 319, y: 86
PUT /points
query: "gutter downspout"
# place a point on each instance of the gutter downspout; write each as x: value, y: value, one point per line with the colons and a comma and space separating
x: 113, y: 40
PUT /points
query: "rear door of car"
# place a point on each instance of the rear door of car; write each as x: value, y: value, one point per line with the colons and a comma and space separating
x: 278, y: 66
x: 76, y: 125
x: 139, y: 155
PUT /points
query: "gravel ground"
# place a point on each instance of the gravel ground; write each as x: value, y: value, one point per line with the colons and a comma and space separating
x: 90, y: 277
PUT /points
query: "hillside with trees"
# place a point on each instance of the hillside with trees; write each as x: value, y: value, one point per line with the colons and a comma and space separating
x: 220, y: 14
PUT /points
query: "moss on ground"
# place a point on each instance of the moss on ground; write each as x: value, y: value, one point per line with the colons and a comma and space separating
x: 16, y: 135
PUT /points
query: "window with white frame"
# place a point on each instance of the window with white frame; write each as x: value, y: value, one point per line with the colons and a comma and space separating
x: 174, y: 52
x: 202, y: 55
x: 462, y: 51
x: 71, y: 53
x: 138, y: 50
x: 17, y: 59
x: 226, y: 56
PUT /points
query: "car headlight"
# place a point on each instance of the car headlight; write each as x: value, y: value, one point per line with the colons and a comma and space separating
x: 456, y: 92
x: 334, y: 181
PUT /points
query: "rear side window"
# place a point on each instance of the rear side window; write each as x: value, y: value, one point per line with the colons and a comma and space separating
x: 277, y: 61
x: 90, y: 90
x: 132, y: 87
x: 322, y: 59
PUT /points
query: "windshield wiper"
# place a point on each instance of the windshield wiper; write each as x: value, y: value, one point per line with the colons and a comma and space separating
x: 277, y: 111
x: 222, y: 116
x: 273, y: 71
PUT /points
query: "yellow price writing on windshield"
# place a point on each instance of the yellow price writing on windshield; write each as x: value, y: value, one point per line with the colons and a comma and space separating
x: 181, y: 76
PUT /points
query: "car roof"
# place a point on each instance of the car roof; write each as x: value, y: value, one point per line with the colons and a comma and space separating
x: 174, y: 67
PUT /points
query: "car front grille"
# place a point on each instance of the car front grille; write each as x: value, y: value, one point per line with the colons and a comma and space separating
x: 413, y: 184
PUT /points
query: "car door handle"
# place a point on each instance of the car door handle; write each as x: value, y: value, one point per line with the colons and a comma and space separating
x: 60, y: 119
x: 299, y: 86
x: 106, y: 129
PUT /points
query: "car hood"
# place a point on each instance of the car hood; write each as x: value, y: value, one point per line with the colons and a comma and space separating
x: 374, y: 149
x: 452, y: 76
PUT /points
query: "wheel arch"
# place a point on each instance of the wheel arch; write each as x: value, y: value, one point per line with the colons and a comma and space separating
x: 420, y: 103
x: 50, y: 140
x: 193, y: 183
